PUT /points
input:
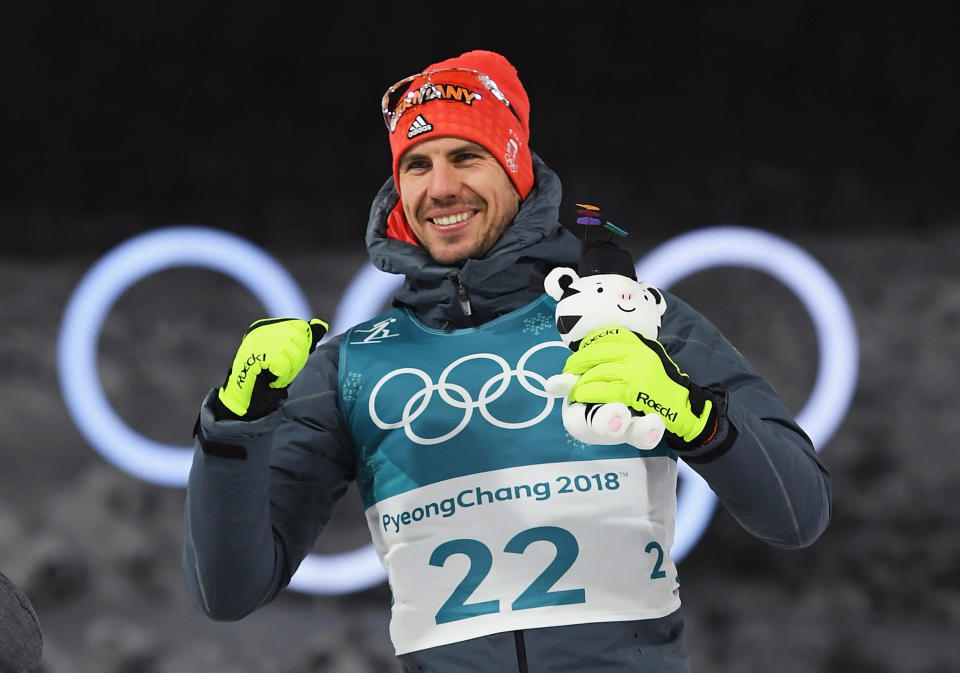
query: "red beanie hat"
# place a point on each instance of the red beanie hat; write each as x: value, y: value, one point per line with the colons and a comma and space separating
x: 476, y: 96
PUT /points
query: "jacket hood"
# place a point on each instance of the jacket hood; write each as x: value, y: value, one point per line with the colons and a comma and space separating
x: 509, y: 276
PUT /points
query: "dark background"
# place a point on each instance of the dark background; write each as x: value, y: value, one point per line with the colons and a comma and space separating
x: 266, y: 121
x: 834, y: 128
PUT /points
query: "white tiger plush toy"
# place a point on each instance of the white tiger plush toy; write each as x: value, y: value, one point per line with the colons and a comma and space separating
x: 587, y: 304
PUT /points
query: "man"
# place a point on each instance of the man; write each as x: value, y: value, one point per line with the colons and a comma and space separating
x: 509, y: 545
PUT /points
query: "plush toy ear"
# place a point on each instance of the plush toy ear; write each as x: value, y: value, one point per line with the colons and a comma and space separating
x: 558, y: 281
x: 657, y: 296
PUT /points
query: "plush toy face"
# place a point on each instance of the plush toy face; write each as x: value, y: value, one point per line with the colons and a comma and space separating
x: 602, y: 300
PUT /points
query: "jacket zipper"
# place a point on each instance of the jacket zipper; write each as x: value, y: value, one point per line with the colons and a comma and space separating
x: 462, y: 296
x: 521, y: 651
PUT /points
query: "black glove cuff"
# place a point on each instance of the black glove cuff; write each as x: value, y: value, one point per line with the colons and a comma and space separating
x: 220, y: 411
x: 723, y: 437
x: 263, y: 400
x: 698, y: 399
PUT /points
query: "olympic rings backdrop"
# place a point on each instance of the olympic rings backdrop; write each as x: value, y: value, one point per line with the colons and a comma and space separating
x: 365, y: 295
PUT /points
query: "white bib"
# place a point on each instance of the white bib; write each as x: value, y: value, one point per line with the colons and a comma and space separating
x: 528, y: 547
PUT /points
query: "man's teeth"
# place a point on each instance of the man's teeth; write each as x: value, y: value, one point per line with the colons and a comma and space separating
x: 451, y: 219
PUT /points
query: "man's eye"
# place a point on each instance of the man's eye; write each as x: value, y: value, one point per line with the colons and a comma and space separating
x: 467, y: 156
x: 416, y: 165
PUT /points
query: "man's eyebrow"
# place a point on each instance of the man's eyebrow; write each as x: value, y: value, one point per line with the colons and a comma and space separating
x: 467, y: 146
x: 410, y: 157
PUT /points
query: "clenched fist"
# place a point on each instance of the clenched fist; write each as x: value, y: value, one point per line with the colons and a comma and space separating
x: 271, y: 353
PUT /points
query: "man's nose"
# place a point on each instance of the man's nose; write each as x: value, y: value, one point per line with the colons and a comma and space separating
x: 443, y: 181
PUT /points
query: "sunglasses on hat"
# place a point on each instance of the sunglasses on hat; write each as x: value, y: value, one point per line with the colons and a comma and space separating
x: 399, y: 98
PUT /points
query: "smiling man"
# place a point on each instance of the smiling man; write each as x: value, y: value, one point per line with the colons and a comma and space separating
x: 459, y: 134
x: 508, y: 544
x: 456, y: 198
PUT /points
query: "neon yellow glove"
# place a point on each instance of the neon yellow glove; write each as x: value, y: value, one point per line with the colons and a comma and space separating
x: 272, y: 352
x: 617, y: 365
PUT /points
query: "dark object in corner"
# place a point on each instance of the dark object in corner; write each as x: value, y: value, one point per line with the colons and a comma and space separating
x: 21, y: 641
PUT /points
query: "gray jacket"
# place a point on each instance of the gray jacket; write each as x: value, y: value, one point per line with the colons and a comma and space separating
x: 260, y: 492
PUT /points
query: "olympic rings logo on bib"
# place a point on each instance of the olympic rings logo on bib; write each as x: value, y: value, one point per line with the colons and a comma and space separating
x: 492, y: 390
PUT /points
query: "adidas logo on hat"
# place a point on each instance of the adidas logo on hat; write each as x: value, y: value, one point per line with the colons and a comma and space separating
x: 419, y: 125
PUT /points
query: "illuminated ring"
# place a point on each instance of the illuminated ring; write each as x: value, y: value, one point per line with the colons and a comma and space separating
x: 96, y: 419
x: 676, y: 259
x: 95, y: 296
x: 833, y: 321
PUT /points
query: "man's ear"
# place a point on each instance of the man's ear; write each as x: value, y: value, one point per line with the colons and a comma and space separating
x: 558, y: 281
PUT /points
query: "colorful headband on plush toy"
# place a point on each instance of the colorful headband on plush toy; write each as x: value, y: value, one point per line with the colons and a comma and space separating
x: 599, y: 252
